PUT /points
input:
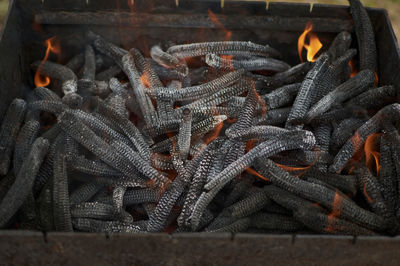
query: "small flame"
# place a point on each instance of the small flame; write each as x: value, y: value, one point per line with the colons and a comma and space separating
x: 53, y: 46
x: 215, y: 20
x: 354, y: 70
x: 250, y: 145
x: 314, y: 44
x: 372, y: 156
x: 257, y: 174
x: 296, y: 169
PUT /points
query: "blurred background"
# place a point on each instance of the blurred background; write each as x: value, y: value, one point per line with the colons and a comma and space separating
x: 393, y: 7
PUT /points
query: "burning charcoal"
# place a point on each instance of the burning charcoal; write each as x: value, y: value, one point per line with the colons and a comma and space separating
x: 255, y: 202
x: 106, y: 48
x: 130, y: 130
x: 387, y: 172
x: 304, y: 98
x: 287, y: 141
x: 158, y: 219
x: 184, y: 135
x: 332, y: 200
x: 86, y: 84
x: 195, y: 187
x: 275, y: 117
x: 290, y: 76
x: 272, y: 221
x: 45, y: 208
x: 98, y: 226
x: 96, y: 168
x: 146, y: 69
x: 371, y: 190
x: 228, y: 47
x: 76, y: 62
x: 99, y: 211
x: 108, y: 73
x: 203, y: 90
x: 45, y: 94
x: 87, y: 138
x: 140, y: 164
x: 59, y: 72
x: 10, y: 127
x: 73, y: 100
x: 24, y: 181
x: 360, y: 83
x: 334, y: 75
x: 62, y: 215
x: 339, y: 45
x: 365, y: 36
x: 84, y: 193
x: 323, y: 137
x: 161, y: 161
x: 5, y: 184
x: 117, y: 200
x: 267, y: 64
x: 145, y: 104
x: 256, y: 132
x: 168, y: 61
x: 53, y: 107
x: 344, y: 131
x: 198, y: 129
x: 281, y: 96
x: 138, y: 196
x: 320, y: 222
x: 375, y: 98
x: 217, y: 98
x: 25, y: 139
x: 345, y: 183
x: 390, y: 112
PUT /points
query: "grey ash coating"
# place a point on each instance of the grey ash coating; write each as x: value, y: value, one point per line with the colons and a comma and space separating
x: 241, y: 142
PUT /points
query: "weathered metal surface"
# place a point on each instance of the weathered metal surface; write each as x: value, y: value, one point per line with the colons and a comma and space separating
x: 33, y: 248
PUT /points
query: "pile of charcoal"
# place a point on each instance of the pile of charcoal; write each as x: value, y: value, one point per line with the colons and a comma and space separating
x: 211, y: 137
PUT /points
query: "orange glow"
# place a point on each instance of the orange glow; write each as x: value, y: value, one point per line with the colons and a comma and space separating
x: 215, y: 20
x: 229, y: 64
x: 376, y: 79
x: 53, y: 46
x: 214, y: 134
x: 337, y: 201
x: 145, y: 80
x: 356, y: 140
x: 130, y: 4
x: 259, y: 100
x: 295, y: 169
x: 372, y: 156
x: 257, y: 174
x: 369, y: 199
x: 250, y: 145
x: 312, y: 47
x: 354, y: 70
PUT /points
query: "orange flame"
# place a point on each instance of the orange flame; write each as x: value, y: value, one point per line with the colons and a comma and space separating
x: 372, y: 156
x: 337, y: 201
x: 354, y: 70
x: 215, y: 20
x: 257, y: 174
x: 295, y: 169
x: 53, y: 46
x: 312, y: 47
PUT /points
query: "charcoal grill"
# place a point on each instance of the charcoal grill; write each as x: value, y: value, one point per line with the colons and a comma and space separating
x: 142, y: 24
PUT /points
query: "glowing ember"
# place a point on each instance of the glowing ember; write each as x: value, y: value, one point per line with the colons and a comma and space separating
x: 257, y: 174
x: 372, y: 156
x: 53, y: 46
x: 312, y: 47
x: 354, y: 70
